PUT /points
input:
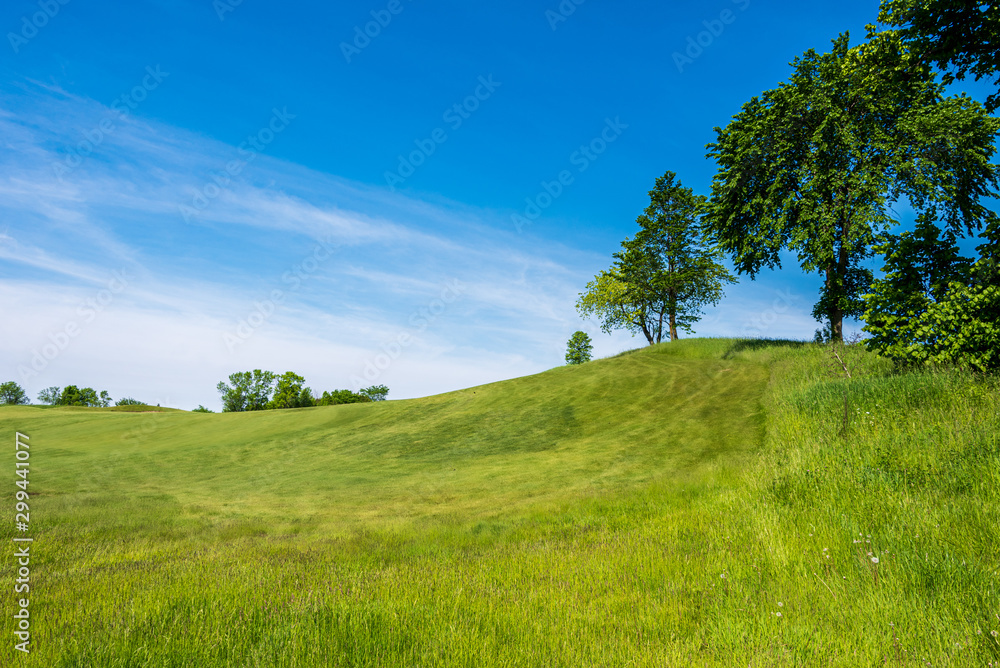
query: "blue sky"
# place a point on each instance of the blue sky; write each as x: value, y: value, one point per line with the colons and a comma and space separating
x: 190, y: 188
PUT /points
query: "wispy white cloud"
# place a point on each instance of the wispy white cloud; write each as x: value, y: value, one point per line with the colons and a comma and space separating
x: 194, y: 284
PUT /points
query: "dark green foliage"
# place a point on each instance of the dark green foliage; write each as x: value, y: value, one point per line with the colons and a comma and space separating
x: 338, y: 397
x: 202, y: 409
x: 662, y: 278
x: 376, y: 392
x: 87, y: 396
x: 814, y: 165
x: 50, y: 395
x: 250, y: 391
x: 290, y: 393
x: 129, y: 401
x: 12, y: 394
x: 934, y: 306
x: 919, y: 267
x: 959, y: 36
x: 987, y: 270
x: 579, y: 348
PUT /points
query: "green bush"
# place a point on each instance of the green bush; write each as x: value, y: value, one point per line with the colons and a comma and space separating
x: 934, y: 306
x: 129, y: 401
x: 338, y: 397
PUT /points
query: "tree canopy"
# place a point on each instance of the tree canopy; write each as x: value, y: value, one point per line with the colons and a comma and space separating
x: 291, y: 392
x: 376, y: 392
x: 265, y: 390
x: 339, y: 397
x: 72, y: 395
x: 933, y: 305
x: 247, y: 391
x: 813, y: 166
x: 665, y: 275
x: 960, y: 37
x: 13, y: 394
x: 50, y: 395
x: 579, y: 348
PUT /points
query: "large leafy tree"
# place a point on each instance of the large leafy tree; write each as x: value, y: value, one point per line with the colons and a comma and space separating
x: 247, y: 391
x: 665, y: 275
x: 813, y: 166
x: 960, y: 37
x: 13, y: 394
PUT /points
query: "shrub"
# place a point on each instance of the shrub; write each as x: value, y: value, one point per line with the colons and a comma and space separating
x: 129, y: 401
x: 338, y: 397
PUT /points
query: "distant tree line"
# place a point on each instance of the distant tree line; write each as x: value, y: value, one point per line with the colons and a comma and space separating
x: 246, y: 391
x: 12, y: 394
x: 259, y: 390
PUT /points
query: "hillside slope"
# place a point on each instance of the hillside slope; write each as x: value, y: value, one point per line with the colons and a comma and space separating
x: 478, y: 453
x: 705, y: 502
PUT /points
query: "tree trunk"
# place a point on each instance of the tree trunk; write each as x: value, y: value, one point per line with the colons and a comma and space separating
x: 646, y: 332
x: 836, y: 278
x: 673, y: 313
x: 835, y: 313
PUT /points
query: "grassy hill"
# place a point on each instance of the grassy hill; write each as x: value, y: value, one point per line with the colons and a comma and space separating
x: 707, y: 502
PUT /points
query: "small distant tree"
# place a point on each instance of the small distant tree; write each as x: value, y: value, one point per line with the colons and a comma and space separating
x: 248, y: 391
x: 202, y: 409
x: 13, y: 394
x: 376, y: 392
x: 50, y: 395
x: 71, y: 396
x: 665, y: 275
x: 105, y: 399
x: 290, y: 393
x: 579, y: 348
x: 306, y: 398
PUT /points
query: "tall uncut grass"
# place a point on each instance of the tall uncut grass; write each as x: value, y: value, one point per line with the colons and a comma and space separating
x: 706, y: 502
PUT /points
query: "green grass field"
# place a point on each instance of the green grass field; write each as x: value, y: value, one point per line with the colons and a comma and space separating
x: 706, y: 503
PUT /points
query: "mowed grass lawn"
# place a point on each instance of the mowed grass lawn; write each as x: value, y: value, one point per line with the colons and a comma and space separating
x: 707, y: 502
